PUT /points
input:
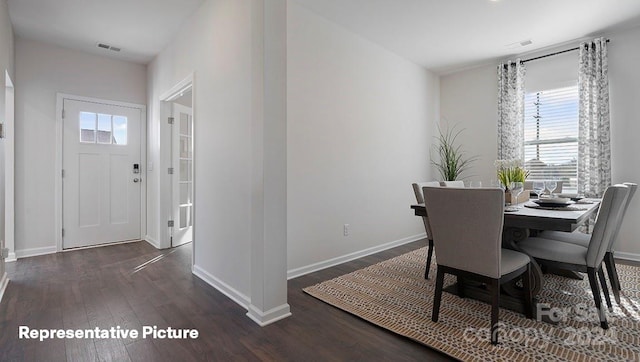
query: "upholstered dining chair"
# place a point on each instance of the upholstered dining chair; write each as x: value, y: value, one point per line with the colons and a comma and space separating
x: 585, y: 259
x: 467, y: 232
x: 582, y: 239
x: 456, y: 183
x: 417, y: 190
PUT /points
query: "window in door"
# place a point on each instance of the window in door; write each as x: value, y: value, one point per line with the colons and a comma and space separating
x: 104, y: 129
x: 551, y: 135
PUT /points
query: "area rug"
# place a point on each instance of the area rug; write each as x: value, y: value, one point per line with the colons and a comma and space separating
x: 394, y: 295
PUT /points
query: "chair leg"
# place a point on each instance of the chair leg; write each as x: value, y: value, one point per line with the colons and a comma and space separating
x: 429, y: 255
x: 495, y: 309
x: 613, y: 275
x: 597, y: 298
x: 438, y: 295
x: 528, y: 295
x: 461, y: 287
x: 605, y: 290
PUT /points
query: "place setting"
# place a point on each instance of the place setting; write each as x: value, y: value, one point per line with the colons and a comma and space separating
x: 552, y: 201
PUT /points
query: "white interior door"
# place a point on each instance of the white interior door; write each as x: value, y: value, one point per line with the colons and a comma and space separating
x: 101, y: 173
x: 182, y: 161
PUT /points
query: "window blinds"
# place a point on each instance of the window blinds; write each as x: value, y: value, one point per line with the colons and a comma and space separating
x: 551, y: 135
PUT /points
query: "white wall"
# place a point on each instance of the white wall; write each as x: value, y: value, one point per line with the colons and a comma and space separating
x: 552, y: 72
x: 6, y: 63
x: 624, y: 85
x: 216, y: 45
x: 360, y: 122
x: 42, y: 70
x: 470, y: 98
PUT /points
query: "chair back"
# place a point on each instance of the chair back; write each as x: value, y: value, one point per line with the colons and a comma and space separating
x: 417, y: 189
x: 632, y: 190
x: 467, y: 227
x: 606, y: 225
x: 452, y: 183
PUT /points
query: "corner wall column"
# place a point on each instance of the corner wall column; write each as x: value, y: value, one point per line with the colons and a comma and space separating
x: 269, y: 155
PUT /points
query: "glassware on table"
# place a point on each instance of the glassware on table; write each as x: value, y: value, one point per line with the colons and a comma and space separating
x: 475, y: 184
x: 538, y: 187
x: 516, y: 189
x: 551, y: 186
x: 497, y: 183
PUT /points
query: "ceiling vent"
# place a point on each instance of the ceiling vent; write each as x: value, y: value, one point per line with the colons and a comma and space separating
x: 522, y: 43
x: 519, y: 44
x: 108, y: 47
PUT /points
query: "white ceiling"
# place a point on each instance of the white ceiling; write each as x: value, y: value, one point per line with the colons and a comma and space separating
x: 142, y: 28
x: 441, y: 35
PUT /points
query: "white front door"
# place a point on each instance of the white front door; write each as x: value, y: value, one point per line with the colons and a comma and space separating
x: 182, y: 161
x: 101, y: 173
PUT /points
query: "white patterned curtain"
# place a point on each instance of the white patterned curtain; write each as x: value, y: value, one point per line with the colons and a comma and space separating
x: 511, y: 110
x: 594, y: 141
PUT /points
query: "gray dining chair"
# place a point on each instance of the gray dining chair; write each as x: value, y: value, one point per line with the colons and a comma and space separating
x: 588, y: 259
x: 582, y: 239
x: 467, y: 232
x: 456, y: 183
x: 417, y: 190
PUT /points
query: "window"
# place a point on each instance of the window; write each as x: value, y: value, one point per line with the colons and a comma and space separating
x: 105, y: 129
x: 551, y: 135
x: 87, y: 127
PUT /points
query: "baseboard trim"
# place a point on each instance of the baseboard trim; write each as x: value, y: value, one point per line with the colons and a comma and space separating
x: 298, y: 272
x: 152, y: 241
x: 222, y: 287
x: 626, y: 256
x: 27, y: 253
x: 271, y: 316
x: 4, y: 282
x: 11, y: 257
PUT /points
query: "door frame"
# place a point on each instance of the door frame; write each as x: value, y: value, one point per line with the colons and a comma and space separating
x: 9, y: 168
x: 166, y: 187
x: 60, y: 97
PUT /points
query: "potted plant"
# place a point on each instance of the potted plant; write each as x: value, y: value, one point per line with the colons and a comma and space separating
x: 452, y: 162
x: 512, y: 171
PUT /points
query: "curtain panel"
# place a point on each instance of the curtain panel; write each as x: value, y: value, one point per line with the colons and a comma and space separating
x: 511, y: 110
x: 594, y: 140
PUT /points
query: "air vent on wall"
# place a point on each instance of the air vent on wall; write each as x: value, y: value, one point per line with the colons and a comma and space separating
x: 108, y: 47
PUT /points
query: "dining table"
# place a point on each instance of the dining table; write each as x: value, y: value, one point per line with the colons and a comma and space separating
x: 526, y: 220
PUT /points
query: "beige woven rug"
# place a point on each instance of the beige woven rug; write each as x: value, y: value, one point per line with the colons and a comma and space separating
x: 394, y: 295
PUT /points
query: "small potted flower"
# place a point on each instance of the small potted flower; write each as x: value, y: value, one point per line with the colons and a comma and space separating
x: 511, y: 171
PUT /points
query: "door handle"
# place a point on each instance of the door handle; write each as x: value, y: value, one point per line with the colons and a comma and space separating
x: 137, y: 180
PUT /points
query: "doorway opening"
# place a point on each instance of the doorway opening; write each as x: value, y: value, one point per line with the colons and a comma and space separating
x: 178, y: 107
x: 182, y: 161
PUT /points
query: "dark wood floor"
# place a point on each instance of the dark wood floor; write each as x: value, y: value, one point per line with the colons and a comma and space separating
x: 102, y: 287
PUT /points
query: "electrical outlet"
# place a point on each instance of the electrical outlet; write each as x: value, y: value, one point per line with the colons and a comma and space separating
x: 346, y: 229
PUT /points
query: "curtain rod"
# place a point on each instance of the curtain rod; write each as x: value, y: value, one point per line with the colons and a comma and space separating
x: 552, y: 54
